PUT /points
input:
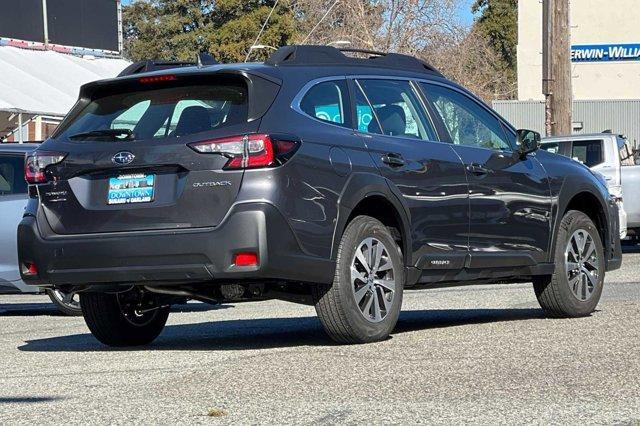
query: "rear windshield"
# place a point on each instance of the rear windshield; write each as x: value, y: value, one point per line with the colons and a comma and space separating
x: 160, y: 113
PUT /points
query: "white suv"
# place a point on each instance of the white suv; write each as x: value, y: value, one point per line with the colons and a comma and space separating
x: 13, y: 198
x: 611, y: 156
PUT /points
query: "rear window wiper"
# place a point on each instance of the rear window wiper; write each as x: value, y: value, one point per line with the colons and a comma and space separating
x: 114, y: 134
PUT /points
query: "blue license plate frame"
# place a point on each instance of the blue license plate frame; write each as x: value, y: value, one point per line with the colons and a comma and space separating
x: 134, y: 188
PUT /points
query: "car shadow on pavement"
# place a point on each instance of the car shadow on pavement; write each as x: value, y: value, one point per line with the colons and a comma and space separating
x: 267, y: 333
x: 29, y: 310
x: 28, y: 399
x: 48, y: 309
x: 631, y: 248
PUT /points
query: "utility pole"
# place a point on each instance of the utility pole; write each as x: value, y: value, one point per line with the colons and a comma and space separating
x: 45, y: 24
x: 556, y: 67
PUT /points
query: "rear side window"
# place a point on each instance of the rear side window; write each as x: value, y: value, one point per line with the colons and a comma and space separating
x: 588, y: 153
x: 367, y: 120
x: 12, y: 175
x: 397, y: 108
x: 328, y: 101
x: 161, y: 112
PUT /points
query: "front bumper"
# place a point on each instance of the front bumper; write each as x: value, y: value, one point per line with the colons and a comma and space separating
x: 614, y: 253
x: 622, y: 215
x: 172, y: 256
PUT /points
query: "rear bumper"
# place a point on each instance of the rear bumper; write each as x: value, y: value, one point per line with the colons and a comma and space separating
x: 172, y: 256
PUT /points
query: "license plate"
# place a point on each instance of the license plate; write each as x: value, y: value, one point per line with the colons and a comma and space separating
x: 130, y: 189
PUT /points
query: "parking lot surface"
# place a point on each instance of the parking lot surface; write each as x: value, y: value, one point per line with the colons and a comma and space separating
x: 473, y: 355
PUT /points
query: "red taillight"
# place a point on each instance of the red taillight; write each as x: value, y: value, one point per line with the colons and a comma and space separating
x: 157, y: 79
x: 246, y: 259
x: 36, y: 163
x: 246, y: 151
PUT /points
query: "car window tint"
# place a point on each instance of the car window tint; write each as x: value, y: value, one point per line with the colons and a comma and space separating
x: 166, y: 112
x: 467, y: 122
x: 367, y: 121
x: 327, y: 101
x: 554, y: 148
x: 12, y: 175
x: 398, y: 109
x: 588, y: 153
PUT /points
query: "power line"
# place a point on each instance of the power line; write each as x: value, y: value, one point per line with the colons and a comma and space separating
x: 264, y: 25
x: 319, y: 22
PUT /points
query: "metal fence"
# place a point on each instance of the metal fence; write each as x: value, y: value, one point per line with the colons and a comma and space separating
x: 619, y: 116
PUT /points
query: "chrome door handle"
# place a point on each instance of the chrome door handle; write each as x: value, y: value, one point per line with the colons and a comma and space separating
x: 393, y: 160
x: 477, y: 169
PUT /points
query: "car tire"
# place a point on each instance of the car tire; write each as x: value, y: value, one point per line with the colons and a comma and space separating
x: 575, y: 288
x: 113, y: 321
x: 363, y: 303
x: 65, y: 302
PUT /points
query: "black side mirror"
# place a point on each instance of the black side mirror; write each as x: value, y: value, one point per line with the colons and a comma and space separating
x: 528, y: 141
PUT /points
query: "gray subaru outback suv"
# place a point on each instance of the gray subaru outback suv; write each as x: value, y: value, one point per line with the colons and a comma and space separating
x: 338, y: 179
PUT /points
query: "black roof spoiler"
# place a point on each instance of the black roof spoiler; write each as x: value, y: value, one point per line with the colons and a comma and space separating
x: 329, y: 55
x: 203, y: 59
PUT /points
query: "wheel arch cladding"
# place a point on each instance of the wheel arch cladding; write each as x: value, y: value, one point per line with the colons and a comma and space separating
x: 370, y: 195
x: 588, y: 203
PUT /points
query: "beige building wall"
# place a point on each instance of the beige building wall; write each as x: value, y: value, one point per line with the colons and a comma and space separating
x: 592, y: 22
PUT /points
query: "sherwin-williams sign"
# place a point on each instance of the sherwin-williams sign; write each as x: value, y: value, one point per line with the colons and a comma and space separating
x: 605, y: 52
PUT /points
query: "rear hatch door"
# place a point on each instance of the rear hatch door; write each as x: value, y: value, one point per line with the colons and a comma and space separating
x: 128, y: 164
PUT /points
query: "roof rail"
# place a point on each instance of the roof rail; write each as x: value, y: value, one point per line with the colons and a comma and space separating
x: 202, y: 59
x: 329, y: 55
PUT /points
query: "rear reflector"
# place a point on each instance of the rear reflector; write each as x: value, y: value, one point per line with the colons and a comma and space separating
x: 30, y: 269
x: 246, y: 259
x: 247, y: 151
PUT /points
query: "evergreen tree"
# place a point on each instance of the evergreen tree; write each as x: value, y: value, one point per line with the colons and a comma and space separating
x: 498, y: 21
x: 178, y: 29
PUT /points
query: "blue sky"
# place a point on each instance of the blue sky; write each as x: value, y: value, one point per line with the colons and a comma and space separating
x: 464, y: 10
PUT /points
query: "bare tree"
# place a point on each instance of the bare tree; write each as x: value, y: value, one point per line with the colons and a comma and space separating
x: 466, y: 56
x: 429, y: 29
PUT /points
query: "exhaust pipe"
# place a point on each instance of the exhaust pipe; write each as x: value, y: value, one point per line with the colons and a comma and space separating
x: 182, y: 293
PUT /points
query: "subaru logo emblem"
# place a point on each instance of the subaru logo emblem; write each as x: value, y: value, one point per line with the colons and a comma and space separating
x: 122, y: 158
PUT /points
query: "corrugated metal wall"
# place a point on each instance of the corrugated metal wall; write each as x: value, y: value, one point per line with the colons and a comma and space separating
x: 621, y: 116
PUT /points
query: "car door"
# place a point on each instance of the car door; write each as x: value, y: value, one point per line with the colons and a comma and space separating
x: 510, y: 203
x: 13, y: 199
x: 429, y: 175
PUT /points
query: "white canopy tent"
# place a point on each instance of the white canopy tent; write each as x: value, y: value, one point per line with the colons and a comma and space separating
x: 36, y: 83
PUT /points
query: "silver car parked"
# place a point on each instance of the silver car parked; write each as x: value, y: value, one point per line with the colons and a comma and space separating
x: 13, y: 198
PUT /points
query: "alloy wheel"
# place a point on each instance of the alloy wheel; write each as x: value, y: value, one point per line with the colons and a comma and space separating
x: 373, y: 279
x: 68, y: 299
x: 582, y: 264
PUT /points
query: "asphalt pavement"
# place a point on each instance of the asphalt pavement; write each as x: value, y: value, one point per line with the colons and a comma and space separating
x: 465, y: 355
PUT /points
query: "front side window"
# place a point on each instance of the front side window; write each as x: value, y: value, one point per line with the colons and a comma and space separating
x: 560, y: 148
x: 159, y: 113
x: 328, y: 101
x: 398, y: 109
x: 588, y: 153
x: 12, y: 175
x: 467, y: 122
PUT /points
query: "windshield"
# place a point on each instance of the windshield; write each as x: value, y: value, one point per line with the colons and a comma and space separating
x: 160, y: 113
